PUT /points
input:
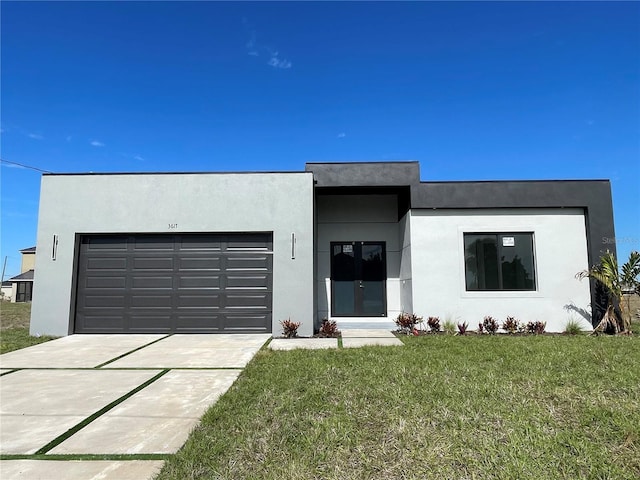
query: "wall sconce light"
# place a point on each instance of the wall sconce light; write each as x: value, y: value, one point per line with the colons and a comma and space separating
x: 54, y: 250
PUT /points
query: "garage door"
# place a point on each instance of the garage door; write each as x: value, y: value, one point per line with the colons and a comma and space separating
x: 199, y: 283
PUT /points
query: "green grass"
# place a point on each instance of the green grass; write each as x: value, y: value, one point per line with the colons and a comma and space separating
x: 14, y: 327
x: 479, y: 407
x: 14, y: 315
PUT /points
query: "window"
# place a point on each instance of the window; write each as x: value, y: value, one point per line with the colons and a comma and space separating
x: 499, y: 261
x: 24, y: 291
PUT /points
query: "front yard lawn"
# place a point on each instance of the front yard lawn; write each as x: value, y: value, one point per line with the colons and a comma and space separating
x: 14, y: 327
x: 442, y: 407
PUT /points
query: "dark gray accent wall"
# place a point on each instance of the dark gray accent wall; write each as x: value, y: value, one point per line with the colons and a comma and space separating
x: 402, y: 193
x: 365, y: 174
x: 592, y: 195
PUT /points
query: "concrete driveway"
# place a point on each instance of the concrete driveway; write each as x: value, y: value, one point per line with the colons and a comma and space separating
x: 130, y: 396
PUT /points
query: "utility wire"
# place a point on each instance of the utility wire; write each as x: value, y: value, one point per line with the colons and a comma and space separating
x: 25, y: 166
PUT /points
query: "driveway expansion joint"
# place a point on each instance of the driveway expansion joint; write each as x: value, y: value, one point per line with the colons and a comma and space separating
x: 131, y: 351
x: 73, y: 430
x: 86, y: 456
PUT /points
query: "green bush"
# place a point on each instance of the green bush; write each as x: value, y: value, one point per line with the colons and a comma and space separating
x: 573, y: 327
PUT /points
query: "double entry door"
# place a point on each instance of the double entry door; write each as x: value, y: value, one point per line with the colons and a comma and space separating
x: 358, y: 279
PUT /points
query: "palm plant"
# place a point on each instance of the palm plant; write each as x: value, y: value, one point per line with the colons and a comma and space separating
x: 616, y: 281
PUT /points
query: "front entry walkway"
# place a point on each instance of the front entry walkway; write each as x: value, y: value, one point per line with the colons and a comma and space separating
x: 351, y: 338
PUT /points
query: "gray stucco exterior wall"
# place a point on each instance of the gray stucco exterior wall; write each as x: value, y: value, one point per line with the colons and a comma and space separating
x: 70, y: 205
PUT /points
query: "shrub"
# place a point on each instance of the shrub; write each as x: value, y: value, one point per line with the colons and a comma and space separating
x: 406, y: 322
x: 329, y: 328
x: 434, y: 324
x: 449, y: 326
x: 511, y: 325
x: 462, y: 328
x: 480, y: 328
x: 573, y: 327
x: 490, y: 325
x: 289, y: 328
x: 536, y: 328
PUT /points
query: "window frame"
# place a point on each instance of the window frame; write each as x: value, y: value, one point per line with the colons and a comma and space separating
x: 499, y: 234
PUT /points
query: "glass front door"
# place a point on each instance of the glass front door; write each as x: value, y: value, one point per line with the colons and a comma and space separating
x: 358, y: 279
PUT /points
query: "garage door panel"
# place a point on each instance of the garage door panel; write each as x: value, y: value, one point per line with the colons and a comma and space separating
x: 198, y: 323
x: 116, y: 281
x: 254, y: 300
x: 211, y: 243
x: 151, y: 323
x: 248, y: 262
x: 111, y: 301
x: 248, y: 281
x: 151, y: 242
x: 140, y: 281
x: 204, y: 281
x: 199, y: 301
x: 213, y: 263
x: 153, y: 263
x: 100, y: 323
x: 106, y: 263
x: 247, y: 322
x: 116, y: 243
x: 151, y: 301
x: 170, y: 283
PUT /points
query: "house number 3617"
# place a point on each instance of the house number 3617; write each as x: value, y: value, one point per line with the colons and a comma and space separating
x: 173, y: 226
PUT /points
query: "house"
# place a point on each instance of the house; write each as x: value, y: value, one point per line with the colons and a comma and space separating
x: 355, y: 242
x: 22, y: 285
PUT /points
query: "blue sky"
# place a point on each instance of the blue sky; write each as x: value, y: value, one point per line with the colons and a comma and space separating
x: 474, y: 91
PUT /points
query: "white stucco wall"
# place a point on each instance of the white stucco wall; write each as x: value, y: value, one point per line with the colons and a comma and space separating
x: 438, y: 270
x: 8, y: 293
x: 358, y: 218
x: 281, y: 203
x: 406, y: 284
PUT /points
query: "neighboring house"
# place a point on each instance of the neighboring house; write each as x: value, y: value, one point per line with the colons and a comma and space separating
x: 28, y: 261
x: 7, y: 290
x: 355, y: 242
x: 22, y: 285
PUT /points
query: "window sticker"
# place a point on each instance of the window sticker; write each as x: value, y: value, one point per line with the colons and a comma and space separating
x: 508, y: 242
